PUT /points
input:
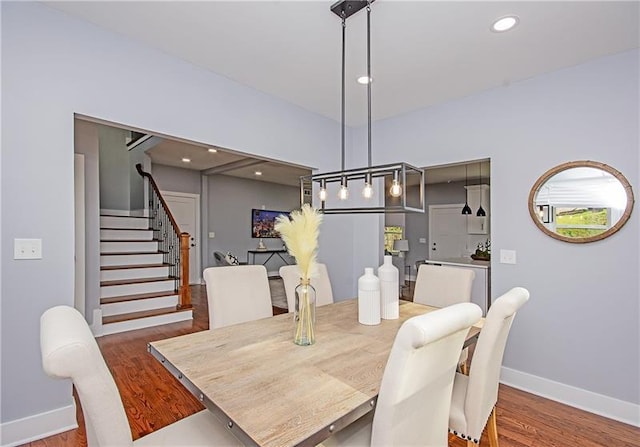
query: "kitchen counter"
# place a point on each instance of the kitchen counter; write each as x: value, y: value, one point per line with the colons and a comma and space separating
x: 461, y: 261
x: 481, y: 288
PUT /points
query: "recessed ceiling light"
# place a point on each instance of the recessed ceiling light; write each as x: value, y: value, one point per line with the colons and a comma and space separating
x: 258, y: 172
x: 212, y: 150
x: 186, y: 160
x: 364, y: 80
x: 504, y: 24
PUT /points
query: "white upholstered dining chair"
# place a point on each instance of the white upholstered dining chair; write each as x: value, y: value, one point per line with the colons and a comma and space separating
x: 236, y: 294
x: 415, y: 393
x: 320, y: 281
x: 441, y: 286
x: 70, y: 351
x: 475, y: 395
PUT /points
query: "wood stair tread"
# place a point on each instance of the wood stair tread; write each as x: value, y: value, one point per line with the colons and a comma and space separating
x: 141, y: 314
x: 133, y: 266
x: 137, y: 296
x: 118, y: 215
x: 122, y: 282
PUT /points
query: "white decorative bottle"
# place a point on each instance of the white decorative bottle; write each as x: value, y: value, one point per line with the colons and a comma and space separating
x: 368, y: 298
x: 389, y: 289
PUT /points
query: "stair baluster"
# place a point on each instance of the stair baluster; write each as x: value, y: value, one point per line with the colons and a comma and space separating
x: 173, y: 243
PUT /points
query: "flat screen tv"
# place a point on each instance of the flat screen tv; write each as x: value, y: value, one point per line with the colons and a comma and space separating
x: 263, y: 221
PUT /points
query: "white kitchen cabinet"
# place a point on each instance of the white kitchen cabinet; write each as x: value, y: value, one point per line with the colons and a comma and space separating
x: 477, y: 195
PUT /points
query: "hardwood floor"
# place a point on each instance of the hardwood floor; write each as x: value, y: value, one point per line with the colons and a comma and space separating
x: 153, y: 398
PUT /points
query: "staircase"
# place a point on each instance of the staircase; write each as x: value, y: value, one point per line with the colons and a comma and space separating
x: 136, y: 288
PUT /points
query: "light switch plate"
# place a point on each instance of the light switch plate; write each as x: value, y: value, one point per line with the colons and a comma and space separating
x: 423, y: 240
x: 507, y: 256
x: 27, y: 249
x: 212, y: 234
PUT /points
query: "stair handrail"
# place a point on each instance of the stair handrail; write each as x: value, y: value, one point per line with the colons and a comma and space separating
x: 174, y: 244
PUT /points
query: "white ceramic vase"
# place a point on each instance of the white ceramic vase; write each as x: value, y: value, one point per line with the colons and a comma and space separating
x: 389, y: 290
x: 368, y: 298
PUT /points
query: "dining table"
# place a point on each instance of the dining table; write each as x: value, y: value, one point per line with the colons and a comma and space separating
x: 271, y: 392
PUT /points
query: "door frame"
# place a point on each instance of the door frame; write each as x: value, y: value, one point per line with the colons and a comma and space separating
x: 431, y: 208
x: 196, y: 236
x: 79, y: 290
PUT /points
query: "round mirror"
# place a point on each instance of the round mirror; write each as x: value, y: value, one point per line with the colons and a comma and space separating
x: 581, y: 201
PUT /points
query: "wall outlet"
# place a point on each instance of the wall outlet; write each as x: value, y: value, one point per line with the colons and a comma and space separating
x: 27, y: 249
x: 507, y: 256
x: 212, y: 234
x: 423, y: 240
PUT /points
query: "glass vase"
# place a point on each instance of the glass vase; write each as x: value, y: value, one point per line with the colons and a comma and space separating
x: 304, y: 315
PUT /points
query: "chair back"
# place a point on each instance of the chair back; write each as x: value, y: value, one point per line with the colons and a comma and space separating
x: 415, y: 393
x: 482, y: 389
x: 237, y: 294
x: 69, y: 351
x: 442, y: 286
x: 319, y: 280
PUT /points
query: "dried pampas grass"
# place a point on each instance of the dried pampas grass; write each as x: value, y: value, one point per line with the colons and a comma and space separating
x: 300, y: 234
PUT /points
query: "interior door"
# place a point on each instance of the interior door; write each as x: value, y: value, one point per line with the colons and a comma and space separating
x: 186, y: 211
x: 447, y: 232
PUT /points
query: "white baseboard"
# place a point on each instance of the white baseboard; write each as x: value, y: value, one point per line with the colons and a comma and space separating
x: 96, y: 325
x: 38, y: 426
x: 606, y: 406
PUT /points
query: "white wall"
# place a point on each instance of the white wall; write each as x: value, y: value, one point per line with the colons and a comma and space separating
x: 54, y: 66
x: 580, y: 327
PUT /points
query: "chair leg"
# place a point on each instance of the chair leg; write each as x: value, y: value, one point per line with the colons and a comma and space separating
x: 492, y: 429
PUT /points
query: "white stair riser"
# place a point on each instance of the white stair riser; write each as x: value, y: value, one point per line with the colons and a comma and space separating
x: 126, y: 307
x: 126, y: 235
x: 139, y: 323
x: 123, y: 222
x: 127, y: 247
x: 130, y: 259
x: 150, y: 272
x: 134, y: 289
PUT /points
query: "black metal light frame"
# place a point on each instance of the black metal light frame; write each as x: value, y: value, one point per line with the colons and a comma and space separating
x: 400, y: 171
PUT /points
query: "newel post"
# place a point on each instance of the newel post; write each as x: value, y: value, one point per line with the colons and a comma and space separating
x: 184, y: 291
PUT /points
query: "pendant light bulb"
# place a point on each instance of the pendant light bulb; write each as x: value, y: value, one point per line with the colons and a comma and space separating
x: 396, y: 189
x: 367, y: 191
x: 343, y: 194
x: 323, y: 191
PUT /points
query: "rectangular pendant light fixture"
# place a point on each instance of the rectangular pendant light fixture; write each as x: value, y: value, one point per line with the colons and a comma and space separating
x: 403, y: 183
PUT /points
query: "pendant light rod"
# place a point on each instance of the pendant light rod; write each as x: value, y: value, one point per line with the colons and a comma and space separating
x: 369, y: 83
x: 344, y: 28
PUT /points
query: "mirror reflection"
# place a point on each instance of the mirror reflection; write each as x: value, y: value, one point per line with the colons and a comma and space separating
x: 581, y: 201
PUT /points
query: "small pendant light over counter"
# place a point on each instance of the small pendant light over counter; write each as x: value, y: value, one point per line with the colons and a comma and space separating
x: 466, y: 209
x: 481, y: 212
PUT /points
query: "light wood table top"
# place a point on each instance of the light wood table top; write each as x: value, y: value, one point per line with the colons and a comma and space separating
x: 271, y: 392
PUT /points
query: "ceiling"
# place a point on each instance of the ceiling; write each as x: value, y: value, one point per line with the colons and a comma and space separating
x: 423, y: 53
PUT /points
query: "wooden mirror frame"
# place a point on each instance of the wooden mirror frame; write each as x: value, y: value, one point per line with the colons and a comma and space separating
x: 581, y: 164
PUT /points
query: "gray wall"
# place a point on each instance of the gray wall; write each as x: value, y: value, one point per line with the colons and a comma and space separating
x: 86, y: 142
x: 230, y: 202
x: 581, y: 326
x: 115, y: 192
x: 171, y: 178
